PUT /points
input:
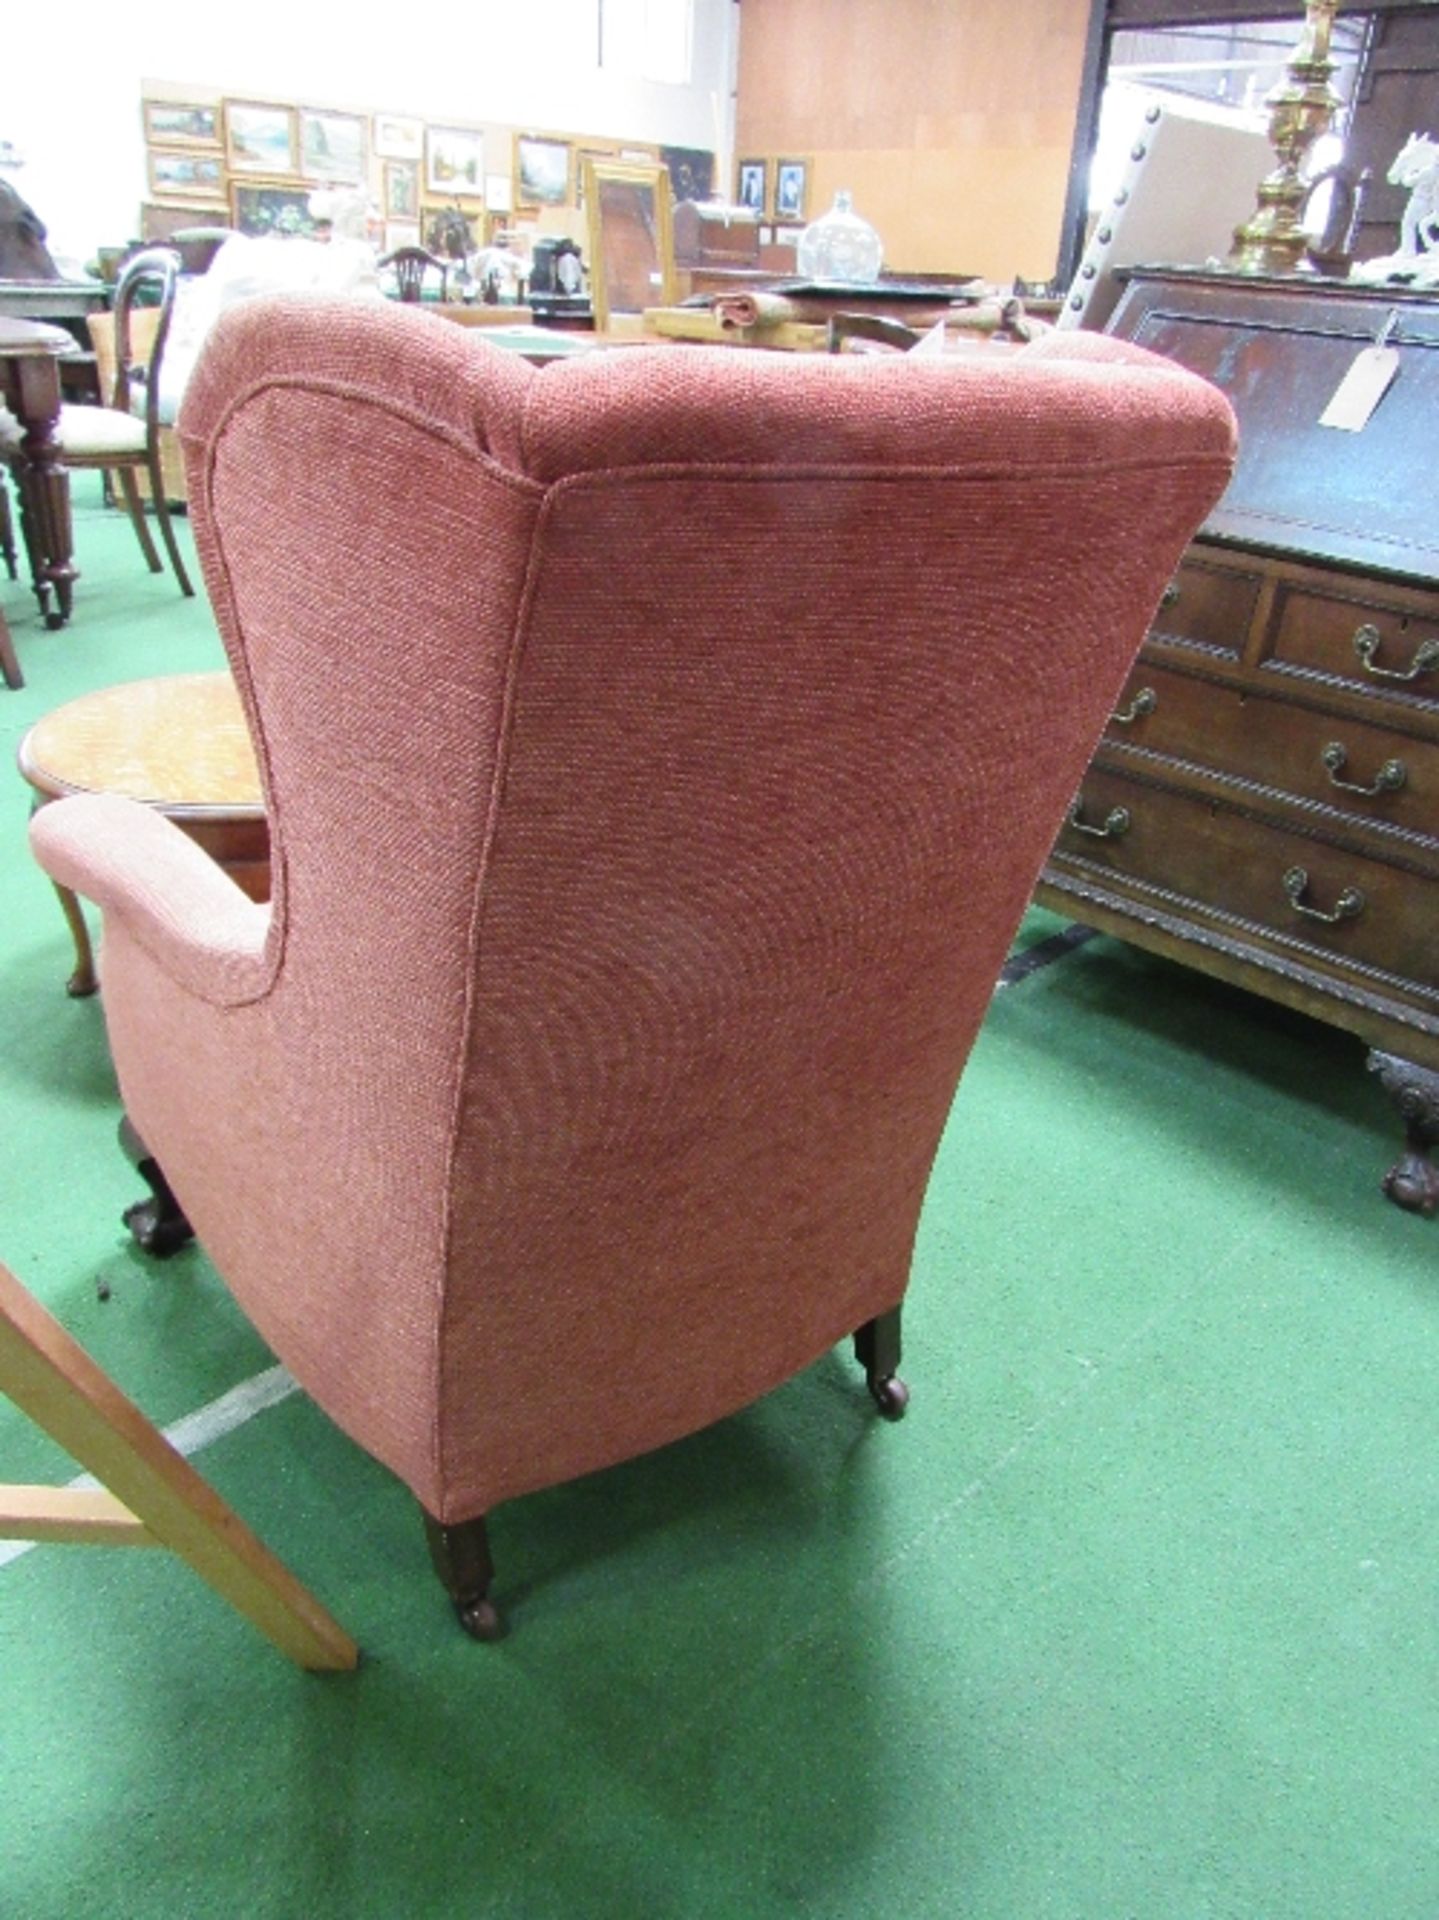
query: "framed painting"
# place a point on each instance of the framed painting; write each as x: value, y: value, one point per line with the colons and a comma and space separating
x: 691, y: 171
x: 751, y: 185
x: 332, y: 146
x: 163, y: 222
x: 175, y: 173
x: 402, y: 192
x: 455, y: 161
x: 174, y: 123
x: 542, y: 171
x: 632, y: 249
x: 397, y: 136
x: 791, y: 189
x: 259, y: 138
x: 266, y: 208
x: 401, y: 233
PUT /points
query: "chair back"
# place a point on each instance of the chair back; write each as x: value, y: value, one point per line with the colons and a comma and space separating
x: 129, y: 342
x: 410, y: 265
x: 660, y: 749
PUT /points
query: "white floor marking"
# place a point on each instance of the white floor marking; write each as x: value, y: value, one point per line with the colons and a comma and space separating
x: 195, y: 1431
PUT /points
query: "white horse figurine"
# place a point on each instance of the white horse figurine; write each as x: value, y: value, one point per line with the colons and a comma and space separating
x: 1416, y: 166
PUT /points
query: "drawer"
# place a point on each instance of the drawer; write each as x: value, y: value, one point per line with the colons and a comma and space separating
x: 1328, y: 900
x: 1316, y: 757
x: 1208, y: 604
x: 1388, y: 647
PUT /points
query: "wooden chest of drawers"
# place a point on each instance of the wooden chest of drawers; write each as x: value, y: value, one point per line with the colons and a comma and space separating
x: 1265, y: 801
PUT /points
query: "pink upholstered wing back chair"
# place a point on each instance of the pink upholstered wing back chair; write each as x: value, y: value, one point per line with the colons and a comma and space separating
x: 660, y: 750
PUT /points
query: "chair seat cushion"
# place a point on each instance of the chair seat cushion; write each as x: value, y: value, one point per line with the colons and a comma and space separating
x: 84, y: 432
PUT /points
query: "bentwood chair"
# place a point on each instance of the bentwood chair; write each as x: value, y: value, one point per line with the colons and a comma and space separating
x: 410, y: 265
x: 636, y: 900
x: 123, y: 437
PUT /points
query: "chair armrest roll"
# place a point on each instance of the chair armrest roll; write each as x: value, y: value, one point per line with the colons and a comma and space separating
x: 183, y: 908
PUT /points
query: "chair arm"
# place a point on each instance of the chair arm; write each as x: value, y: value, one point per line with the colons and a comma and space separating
x: 173, y: 899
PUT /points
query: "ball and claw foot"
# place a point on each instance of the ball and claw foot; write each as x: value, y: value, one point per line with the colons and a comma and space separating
x: 891, y: 1396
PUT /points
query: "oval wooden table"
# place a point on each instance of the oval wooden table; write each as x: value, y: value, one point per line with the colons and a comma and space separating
x: 180, y: 744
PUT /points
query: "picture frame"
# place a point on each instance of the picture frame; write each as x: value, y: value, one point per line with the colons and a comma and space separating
x: 401, y: 233
x: 183, y: 123
x: 691, y: 171
x: 332, y: 146
x: 397, y: 136
x: 259, y: 137
x: 161, y: 221
x: 183, y: 173
x: 402, y: 193
x: 455, y: 162
x: 751, y: 185
x: 267, y: 208
x: 542, y: 171
x: 791, y: 191
x: 631, y: 239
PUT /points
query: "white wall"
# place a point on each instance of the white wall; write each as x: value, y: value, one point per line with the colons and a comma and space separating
x: 531, y: 64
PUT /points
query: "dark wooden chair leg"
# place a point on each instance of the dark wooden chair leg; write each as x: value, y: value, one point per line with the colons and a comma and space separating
x: 158, y: 1224
x: 461, y: 1557
x: 7, y: 532
x: 877, y: 1347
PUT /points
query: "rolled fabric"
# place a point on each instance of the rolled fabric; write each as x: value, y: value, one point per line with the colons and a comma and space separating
x: 737, y: 310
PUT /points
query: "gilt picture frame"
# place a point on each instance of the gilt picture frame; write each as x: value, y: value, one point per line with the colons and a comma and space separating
x: 543, y: 171
x: 180, y: 123
x: 631, y: 239
x: 259, y: 137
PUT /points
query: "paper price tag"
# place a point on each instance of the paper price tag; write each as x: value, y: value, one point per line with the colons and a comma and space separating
x: 1352, y: 404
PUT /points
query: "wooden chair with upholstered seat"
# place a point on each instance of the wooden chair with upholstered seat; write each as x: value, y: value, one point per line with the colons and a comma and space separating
x: 123, y: 437
x: 410, y: 265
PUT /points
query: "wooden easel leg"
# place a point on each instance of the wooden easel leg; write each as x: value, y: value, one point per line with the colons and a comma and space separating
x: 154, y: 1495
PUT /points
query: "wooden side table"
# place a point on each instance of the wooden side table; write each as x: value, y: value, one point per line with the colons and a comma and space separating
x: 181, y: 745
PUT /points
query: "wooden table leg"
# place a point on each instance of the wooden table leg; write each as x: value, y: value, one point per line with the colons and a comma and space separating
x: 44, y: 484
x: 82, y: 981
x: 9, y: 659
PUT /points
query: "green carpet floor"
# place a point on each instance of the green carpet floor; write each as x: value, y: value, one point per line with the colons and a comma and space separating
x: 1134, y: 1616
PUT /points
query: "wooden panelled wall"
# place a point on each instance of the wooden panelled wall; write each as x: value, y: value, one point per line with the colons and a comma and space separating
x: 952, y: 125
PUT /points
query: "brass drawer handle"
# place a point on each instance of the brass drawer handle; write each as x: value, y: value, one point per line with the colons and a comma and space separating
x: 1389, y: 779
x: 1145, y: 701
x: 1366, y: 645
x: 1348, y: 906
x: 1115, y: 822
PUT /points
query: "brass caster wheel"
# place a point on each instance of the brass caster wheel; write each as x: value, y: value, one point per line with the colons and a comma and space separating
x: 891, y: 1396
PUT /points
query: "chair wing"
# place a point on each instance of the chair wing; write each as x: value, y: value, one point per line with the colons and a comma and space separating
x: 660, y: 751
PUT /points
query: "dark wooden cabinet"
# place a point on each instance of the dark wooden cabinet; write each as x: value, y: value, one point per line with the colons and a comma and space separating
x: 1265, y: 801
